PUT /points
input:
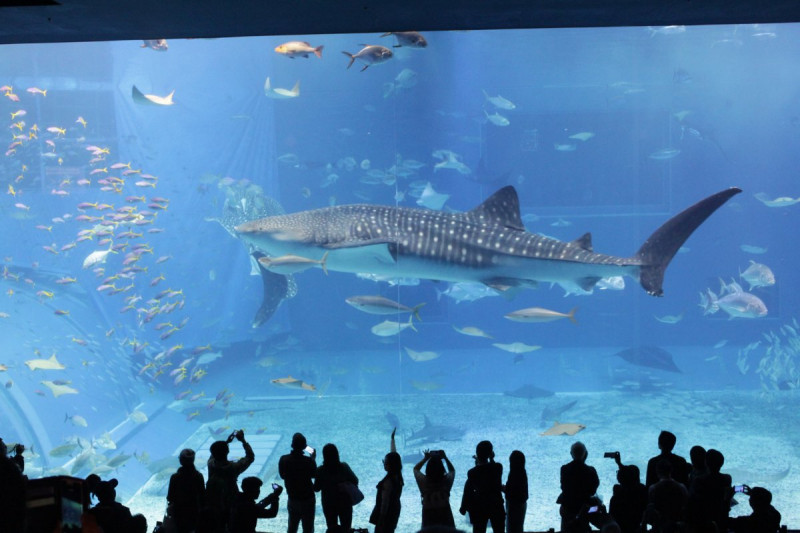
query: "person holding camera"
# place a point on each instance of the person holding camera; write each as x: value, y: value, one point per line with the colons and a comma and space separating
x: 221, y: 488
x: 434, y: 487
x: 246, y: 511
x: 298, y: 469
x: 629, y: 499
x: 386, y: 512
x: 764, y: 518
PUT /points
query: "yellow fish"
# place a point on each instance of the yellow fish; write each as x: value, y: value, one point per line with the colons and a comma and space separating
x: 45, y: 364
x: 58, y: 390
x: 564, y: 429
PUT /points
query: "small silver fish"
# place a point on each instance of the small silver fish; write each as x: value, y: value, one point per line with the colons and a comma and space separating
x: 412, y: 39
x: 370, y: 55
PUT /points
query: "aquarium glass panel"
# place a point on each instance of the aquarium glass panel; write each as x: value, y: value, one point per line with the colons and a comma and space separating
x: 531, y: 237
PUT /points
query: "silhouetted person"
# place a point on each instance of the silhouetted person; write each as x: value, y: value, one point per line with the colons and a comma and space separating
x: 298, y: 470
x: 91, y: 484
x: 12, y: 494
x: 764, y: 518
x: 434, y: 488
x: 697, y: 463
x: 18, y: 459
x: 336, y: 504
x: 186, y: 494
x: 221, y: 486
x: 629, y: 499
x: 710, y: 494
x: 579, y: 483
x: 516, y: 491
x: 679, y: 466
x: 207, y: 521
x: 246, y: 511
x: 483, y: 491
x: 138, y: 523
x: 111, y: 515
x: 667, y: 501
x: 386, y: 512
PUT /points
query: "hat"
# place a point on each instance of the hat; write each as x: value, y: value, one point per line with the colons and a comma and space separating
x: 298, y: 441
x: 105, y: 490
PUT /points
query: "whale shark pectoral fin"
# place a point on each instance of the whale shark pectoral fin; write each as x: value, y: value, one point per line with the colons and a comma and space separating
x: 276, y: 288
x: 255, y: 270
x: 508, y: 287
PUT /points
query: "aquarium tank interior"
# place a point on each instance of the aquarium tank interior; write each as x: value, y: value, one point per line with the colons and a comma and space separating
x: 533, y: 237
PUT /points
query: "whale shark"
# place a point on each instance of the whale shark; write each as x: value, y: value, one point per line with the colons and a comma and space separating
x: 487, y: 244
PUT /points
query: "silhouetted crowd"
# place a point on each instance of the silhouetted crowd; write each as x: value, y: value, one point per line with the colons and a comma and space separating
x: 676, y: 497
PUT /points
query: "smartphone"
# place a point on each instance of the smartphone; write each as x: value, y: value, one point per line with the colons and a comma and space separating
x: 275, y: 486
x: 594, y: 509
x: 738, y: 488
x: 309, y: 450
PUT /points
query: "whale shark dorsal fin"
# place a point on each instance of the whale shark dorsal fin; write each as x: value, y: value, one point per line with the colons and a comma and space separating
x: 501, y: 208
x: 584, y: 242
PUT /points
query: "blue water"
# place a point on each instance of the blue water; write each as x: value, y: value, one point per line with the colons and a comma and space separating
x: 723, y: 100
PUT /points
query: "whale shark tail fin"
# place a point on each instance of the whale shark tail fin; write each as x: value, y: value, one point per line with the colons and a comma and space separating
x: 659, y: 249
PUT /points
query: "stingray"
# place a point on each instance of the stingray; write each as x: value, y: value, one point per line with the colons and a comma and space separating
x: 563, y: 429
x: 529, y: 392
x: 649, y: 356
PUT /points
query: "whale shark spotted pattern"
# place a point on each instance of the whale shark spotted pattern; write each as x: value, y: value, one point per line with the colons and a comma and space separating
x: 487, y: 244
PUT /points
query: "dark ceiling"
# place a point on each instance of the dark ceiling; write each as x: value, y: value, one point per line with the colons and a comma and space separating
x: 25, y: 21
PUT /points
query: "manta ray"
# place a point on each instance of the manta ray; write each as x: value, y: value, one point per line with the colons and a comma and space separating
x: 487, y: 244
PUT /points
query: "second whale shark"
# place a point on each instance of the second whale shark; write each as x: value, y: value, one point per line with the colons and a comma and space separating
x: 487, y: 244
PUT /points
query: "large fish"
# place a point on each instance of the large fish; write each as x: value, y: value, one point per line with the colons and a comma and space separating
x: 488, y: 244
x: 649, y: 356
x: 431, y: 432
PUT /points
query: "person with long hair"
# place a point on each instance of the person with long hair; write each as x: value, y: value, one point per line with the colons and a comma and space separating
x: 386, y: 512
x: 434, y: 488
x: 516, y: 491
x: 336, y: 505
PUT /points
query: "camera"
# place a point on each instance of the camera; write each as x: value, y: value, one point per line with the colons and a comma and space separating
x: 275, y: 486
x: 436, y: 453
x: 309, y: 450
x: 593, y: 509
x: 739, y: 488
x: 611, y: 455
